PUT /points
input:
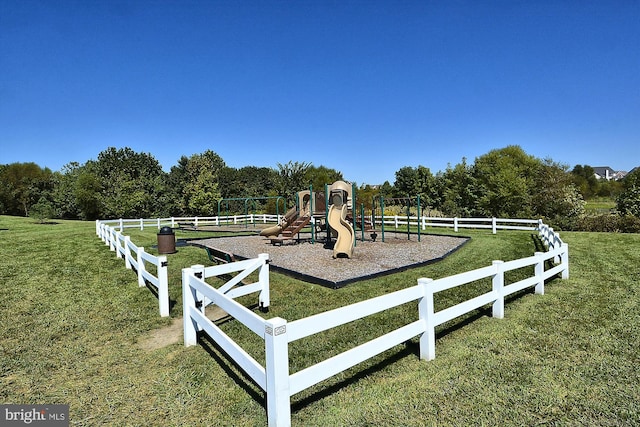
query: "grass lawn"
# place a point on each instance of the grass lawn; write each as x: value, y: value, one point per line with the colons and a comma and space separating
x: 73, y: 323
x: 600, y: 205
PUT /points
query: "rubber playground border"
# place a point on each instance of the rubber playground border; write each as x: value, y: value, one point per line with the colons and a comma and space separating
x: 337, y: 284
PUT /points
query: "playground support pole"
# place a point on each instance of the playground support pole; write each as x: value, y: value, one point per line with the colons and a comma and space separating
x: 408, y: 218
x: 298, y: 207
x: 418, y: 217
x: 326, y: 213
x: 362, y: 219
x: 311, y: 207
x: 354, y: 206
x: 382, y: 209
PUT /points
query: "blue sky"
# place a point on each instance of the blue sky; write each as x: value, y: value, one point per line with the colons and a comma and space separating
x: 365, y: 87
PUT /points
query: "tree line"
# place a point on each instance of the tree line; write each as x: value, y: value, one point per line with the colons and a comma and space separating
x: 122, y: 183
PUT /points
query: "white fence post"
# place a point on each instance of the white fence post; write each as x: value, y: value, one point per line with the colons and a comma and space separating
x: 424, y: 222
x: 426, y: 313
x: 264, y: 297
x: 455, y: 224
x: 539, y: 273
x: 498, y: 289
x: 112, y: 233
x: 121, y: 224
x: 163, y: 286
x: 117, y: 245
x: 141, y: 224
x: 564, y: 259
x: 141, y: 268
x: 277, y: 371
x: 127, y: 252
x: 198, y: 271
x: 188, y: 303
x: 494, y: 226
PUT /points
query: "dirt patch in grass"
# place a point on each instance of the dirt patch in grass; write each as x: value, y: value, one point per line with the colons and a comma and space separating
x: 173, y: 333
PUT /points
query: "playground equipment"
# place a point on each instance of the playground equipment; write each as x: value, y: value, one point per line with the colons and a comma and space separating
x: 405, y: 202
x: 311, y: 207
x: 308, y: 205
x: 340, y: 199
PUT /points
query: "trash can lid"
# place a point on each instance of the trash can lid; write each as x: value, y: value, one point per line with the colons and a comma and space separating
x: 166, y: 230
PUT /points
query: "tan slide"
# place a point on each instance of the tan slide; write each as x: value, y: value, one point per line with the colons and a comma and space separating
x: 346, y: 238
x: 275, y: 230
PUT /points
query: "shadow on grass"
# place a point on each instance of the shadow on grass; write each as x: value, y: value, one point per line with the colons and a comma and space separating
x: 409, y: 348
x: 394, y: 355
x: 237, y: 375
x: 154, y: 292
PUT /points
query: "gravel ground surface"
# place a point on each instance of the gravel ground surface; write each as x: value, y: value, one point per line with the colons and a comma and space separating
x: 314, y: 263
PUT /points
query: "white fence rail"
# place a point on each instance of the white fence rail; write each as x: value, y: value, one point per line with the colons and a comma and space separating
x: 395, y: 221
x: 197, y: 295
x: 135, y: 257
x: 194, y: 221
x: 277, y: 333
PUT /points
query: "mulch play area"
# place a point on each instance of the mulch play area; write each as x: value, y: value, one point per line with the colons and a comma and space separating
x: 313, y: 262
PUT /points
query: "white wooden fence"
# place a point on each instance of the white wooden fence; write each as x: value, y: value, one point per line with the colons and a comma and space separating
x: 197, y: 295
x: 195, y: 221
x: 274, y: 378
x: 395, y: 221
x: 136, y: 257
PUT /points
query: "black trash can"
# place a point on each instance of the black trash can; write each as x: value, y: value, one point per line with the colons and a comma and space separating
x: 166, y: 241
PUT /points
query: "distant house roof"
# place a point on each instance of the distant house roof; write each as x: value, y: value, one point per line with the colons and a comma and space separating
x: 619, y: 175
x: 604, y: 172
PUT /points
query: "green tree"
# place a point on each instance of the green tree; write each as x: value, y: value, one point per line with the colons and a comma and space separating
x: 505, y: 179
x: 248, y: 181
x: 411, y: 182
x: 201, y: 192
x: 386, y: 189
x: 366, y: 194
x: 457, y: 190
x: 43, y: 210
x: 22, y: 185
x: 321, y: 175
x: 292, y: 178
x: 556, y: 197
x: 176, y: 181
x: 63, y: 196
x: 132, y: 183
x: 87, y: 193
x: 628, y: 202
x: 407, y: 182
x: 584, y: 178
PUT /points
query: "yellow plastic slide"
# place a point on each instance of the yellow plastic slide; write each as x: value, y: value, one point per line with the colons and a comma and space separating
x: 346, y: 238
x: 286, y: 220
